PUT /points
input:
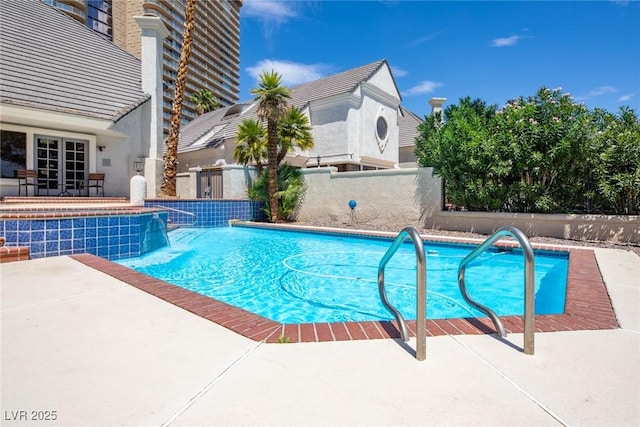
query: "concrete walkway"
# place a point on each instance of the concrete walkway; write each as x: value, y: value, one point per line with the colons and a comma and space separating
x: 94, y: 351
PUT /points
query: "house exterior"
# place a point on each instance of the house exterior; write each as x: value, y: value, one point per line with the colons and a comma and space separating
x: 356, y: 119
x: 73, y: 103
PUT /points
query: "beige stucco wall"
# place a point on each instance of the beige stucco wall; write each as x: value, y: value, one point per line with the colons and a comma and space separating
x: 413, y: 197
x: 186, y: 185
x: 614, y: 228
x: 396, y: 196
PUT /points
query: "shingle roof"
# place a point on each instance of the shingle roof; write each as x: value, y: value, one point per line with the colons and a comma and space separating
x: 195, y: 135
x: 52, y: 62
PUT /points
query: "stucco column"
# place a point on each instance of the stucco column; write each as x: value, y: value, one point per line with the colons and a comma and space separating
x: 153, y: 34
x: 436, y: 105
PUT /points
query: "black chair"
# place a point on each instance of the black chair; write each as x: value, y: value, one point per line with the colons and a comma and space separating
x: 27, y: 178
x: 96, y: 180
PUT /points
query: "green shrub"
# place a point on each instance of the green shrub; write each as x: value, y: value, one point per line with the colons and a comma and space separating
x: 616, y: 174
x: 543, y: 153
x: 291, y: 189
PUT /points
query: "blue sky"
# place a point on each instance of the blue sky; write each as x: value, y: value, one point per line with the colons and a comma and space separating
x: 494, y: 51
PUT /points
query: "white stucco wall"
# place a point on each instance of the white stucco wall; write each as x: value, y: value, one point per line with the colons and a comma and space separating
x: 124, y: 142
x: 368, y: 142
x: 236, y: 180
x: 384, y: 80
x: 116, y: 160
x: 330, y: 131
x: 394, y: 196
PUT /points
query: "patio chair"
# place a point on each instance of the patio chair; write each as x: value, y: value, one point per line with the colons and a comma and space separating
x: 95, y: 180
x: 27, y: 178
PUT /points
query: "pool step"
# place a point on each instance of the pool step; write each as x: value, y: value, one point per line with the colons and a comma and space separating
x: 12, y: 253
x: 65, y: 200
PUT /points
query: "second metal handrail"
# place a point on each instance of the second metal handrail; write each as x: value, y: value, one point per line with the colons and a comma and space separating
x: 191, y: 214
x: 529, y: 290
x: 421, y: 284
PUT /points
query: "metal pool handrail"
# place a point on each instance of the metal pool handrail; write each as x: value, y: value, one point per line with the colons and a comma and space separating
x: 421, y: 284
x: 529, y: 303
x: 191, y: 214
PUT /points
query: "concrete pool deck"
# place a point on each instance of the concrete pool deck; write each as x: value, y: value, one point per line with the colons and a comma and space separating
x: 98, y: 351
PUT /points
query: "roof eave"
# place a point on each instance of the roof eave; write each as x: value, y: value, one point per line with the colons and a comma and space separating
x: 51, y: 119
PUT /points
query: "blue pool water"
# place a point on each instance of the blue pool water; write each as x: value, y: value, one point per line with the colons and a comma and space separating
x: 294, y: 277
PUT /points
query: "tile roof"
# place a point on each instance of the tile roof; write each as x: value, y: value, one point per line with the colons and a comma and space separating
x: 196, y: 134
x: 345, y: 82
x: 52, y: 62
x: 209, y: 130
x: 408, y: 127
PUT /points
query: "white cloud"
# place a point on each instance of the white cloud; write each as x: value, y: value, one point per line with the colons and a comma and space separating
x: 292, y: 73
x: 599, y: 91
x: 423, y: 88
x: 625, y: 98
x: 269, y: 10
x: 398, y: 72
x: 427, y: 38
x: 602, y: 90
x: 505, y: 41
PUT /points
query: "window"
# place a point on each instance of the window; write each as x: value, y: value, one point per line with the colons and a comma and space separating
x: 382, y: 128
x: 13, y: 153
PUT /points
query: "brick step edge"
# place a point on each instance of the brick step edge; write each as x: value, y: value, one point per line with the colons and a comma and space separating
x: 8, y: 200
x: 14, y: 253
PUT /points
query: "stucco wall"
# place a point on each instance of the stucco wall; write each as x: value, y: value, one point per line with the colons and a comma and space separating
x: 116, y: 160
x: 397, y: 196
x: 121, y: 145
x: 370, y: 144
x: 413, y: 197
x: 613, y: 228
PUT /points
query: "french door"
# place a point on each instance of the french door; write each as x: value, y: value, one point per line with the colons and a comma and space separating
x: 61, y: 164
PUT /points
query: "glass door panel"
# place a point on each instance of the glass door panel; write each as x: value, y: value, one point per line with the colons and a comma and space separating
x: 74, y: 165
x: 48, y: 163
x: 61, y: 165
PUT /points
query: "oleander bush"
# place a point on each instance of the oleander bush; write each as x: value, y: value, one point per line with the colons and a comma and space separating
x: 544, y: 153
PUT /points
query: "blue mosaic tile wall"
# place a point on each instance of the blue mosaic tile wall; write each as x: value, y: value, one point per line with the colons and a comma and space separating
x: 111, y: 237
x: 210, y: 213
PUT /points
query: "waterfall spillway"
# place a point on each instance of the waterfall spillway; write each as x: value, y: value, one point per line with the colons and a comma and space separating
x: 155, y: 234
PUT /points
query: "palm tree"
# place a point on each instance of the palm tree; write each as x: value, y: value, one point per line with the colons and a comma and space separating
x: 204, y: 101
x: 294, y: 131
x: 272, y: 102
x: 291, y: 189
x: 168, y: 188
x: 252, y: 144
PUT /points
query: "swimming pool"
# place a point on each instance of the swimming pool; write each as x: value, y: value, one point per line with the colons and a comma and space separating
x: 296, y: 277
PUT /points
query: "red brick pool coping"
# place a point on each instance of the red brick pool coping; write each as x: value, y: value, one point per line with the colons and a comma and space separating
x: 587, y: 307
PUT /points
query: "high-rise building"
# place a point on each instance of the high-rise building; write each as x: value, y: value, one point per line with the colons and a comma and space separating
x: 95, y: 14
x: 215, y: 53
